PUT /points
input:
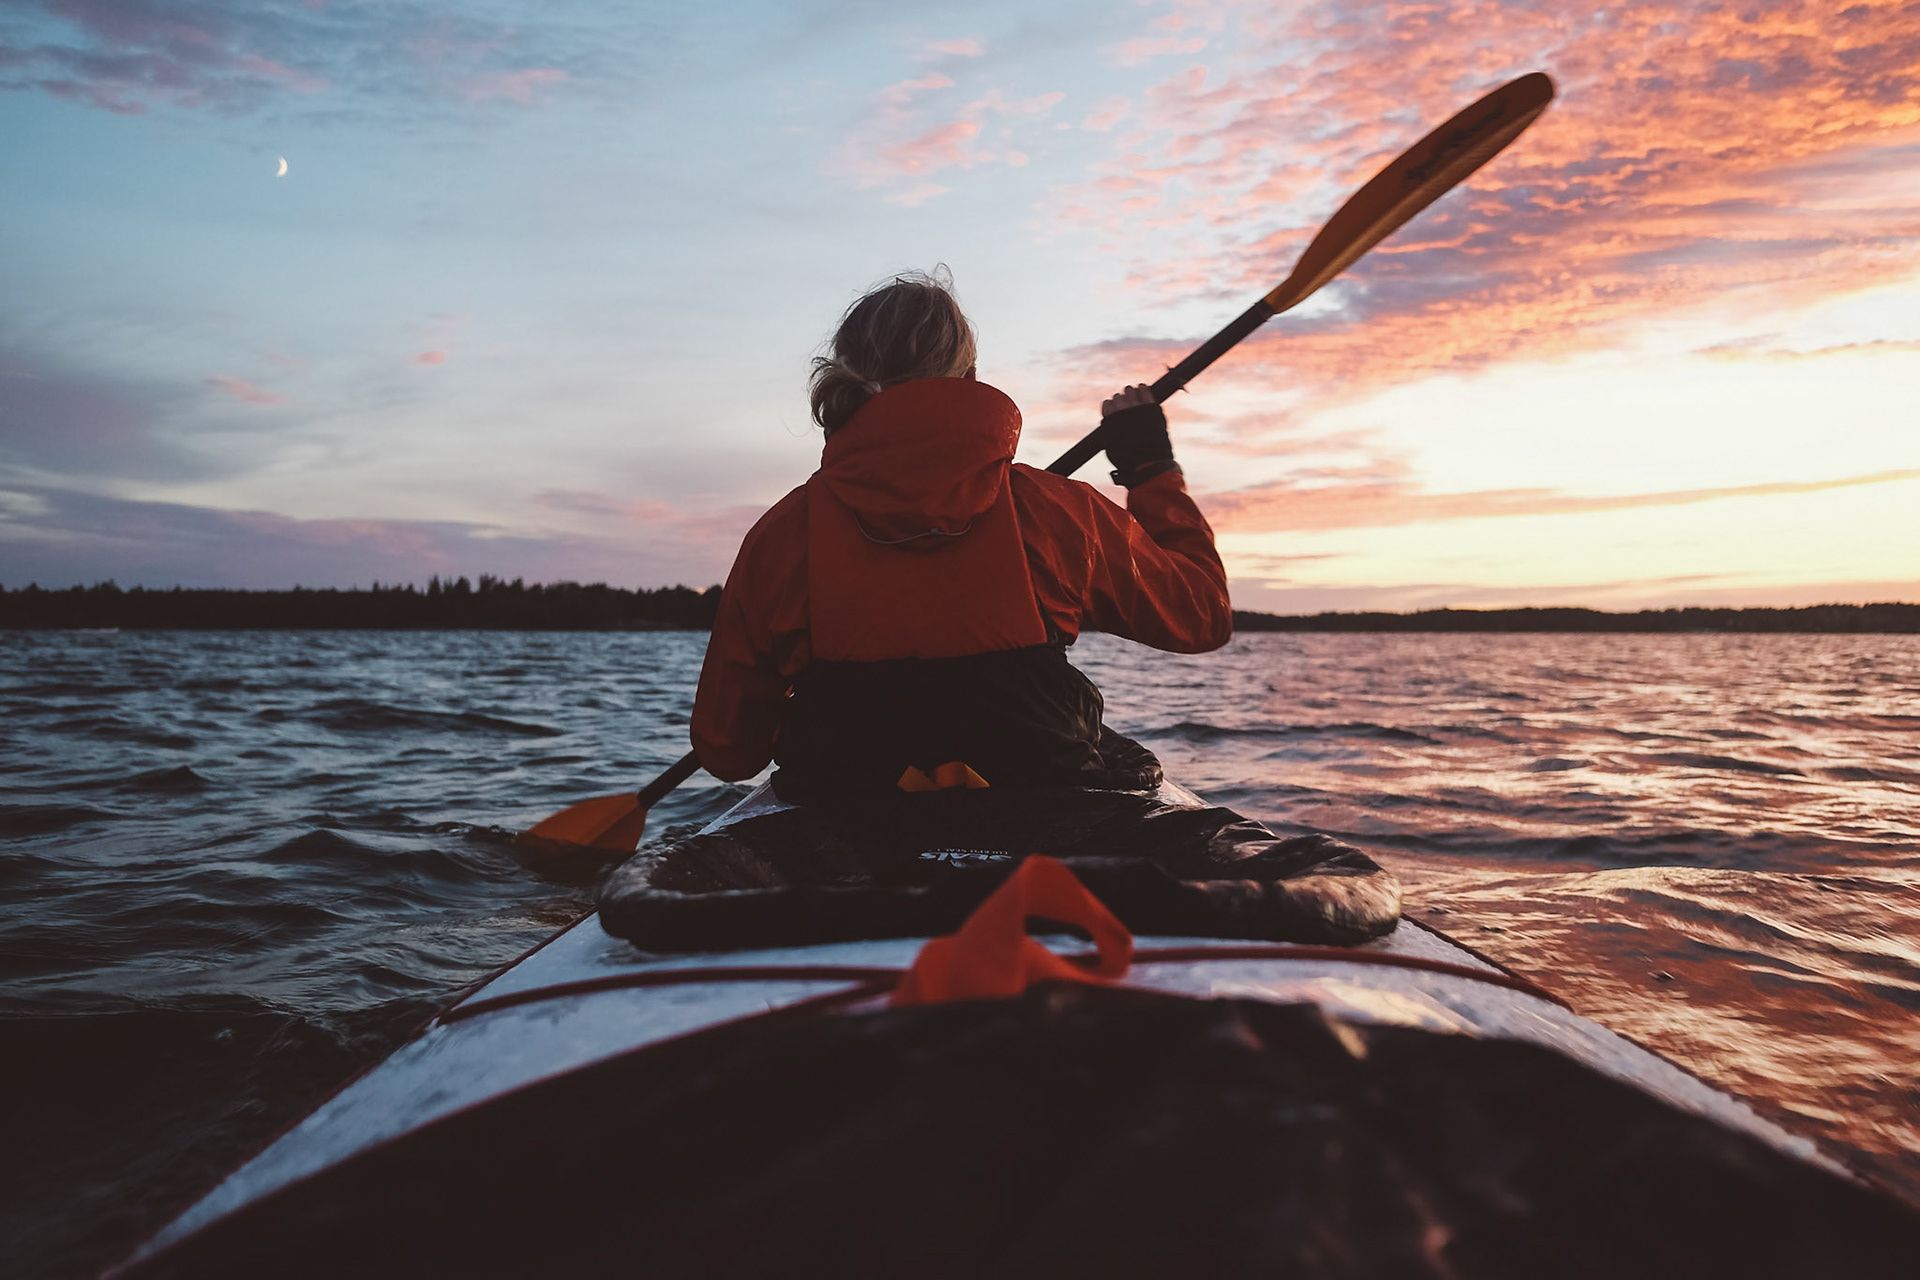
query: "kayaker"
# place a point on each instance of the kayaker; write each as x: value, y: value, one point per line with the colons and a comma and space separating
x: 901, y: 620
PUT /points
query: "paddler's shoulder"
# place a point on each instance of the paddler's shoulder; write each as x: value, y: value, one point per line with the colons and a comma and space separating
x: 1040, y: 490
x: 1045, y: 484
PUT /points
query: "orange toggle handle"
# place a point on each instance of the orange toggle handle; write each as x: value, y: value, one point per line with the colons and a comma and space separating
x: 991, y: 955
x: 954, y: 775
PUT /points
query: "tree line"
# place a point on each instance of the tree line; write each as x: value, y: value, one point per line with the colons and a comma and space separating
x: 453, y: 604
x: 493, y: 604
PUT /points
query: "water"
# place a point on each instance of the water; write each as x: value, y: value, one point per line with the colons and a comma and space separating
x: 237, y: 867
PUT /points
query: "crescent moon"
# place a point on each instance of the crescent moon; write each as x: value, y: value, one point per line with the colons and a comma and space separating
x: 283, y: 168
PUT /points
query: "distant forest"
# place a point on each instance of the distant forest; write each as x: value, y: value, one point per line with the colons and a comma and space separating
x: 492, y: 604
x: 452, y: 605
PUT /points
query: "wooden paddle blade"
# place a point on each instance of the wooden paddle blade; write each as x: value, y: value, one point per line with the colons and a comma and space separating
x: 614, y: 823
x: 1429, y: 169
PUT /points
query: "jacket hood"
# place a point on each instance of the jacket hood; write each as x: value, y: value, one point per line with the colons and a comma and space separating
x: 920, y: 460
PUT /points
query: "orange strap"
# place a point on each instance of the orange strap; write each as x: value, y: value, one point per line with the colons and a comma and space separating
x: 992, y: 956
x: 954, y: 775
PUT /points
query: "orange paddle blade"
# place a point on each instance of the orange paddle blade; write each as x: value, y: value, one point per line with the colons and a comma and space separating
x: 614, y: 823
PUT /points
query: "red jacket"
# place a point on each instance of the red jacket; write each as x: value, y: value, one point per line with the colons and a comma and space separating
x: 927, y: 467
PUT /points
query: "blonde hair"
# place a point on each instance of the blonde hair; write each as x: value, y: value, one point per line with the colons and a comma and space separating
x: 910, y: 327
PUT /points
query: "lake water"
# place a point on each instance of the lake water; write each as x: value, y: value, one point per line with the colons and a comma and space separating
x: 237, y: 867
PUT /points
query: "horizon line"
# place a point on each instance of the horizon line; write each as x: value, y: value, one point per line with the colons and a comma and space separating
x: 487, y: 583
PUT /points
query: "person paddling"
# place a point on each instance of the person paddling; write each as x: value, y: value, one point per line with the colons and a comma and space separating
x: 901, y: 620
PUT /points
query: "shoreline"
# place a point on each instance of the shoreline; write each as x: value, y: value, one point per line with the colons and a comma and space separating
x: 495, y: 605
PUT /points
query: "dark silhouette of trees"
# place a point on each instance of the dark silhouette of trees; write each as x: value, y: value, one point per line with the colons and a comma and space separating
x: 492, y: 604
x: 457, y: 604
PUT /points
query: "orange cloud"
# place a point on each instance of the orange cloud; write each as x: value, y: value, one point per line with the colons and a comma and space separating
x: 431, y: 357
x: 1697, y: 152
x: 1370, y: 502
x: 1760, y: 351
x: 1678, y: 591
x: 241, y: 389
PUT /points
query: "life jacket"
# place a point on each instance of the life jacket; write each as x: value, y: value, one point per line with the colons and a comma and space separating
x: 932, y: 663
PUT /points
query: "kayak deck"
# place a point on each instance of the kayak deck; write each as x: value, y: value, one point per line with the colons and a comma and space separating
x: 585, y: 996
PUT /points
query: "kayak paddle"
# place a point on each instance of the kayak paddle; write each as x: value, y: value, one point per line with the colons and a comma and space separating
x: 1426, y: 171
x: 615, y: 822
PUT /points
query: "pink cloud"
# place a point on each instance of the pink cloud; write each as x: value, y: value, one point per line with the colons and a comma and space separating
x: 1108, y: 114
x: 521, y: 86
x: 993, y: 102
x: 904, y: 92
x: 1131, y: 53
x: 900, y: 144
x: 1696, y: 153
x: 294, y: 79
x: 962, y: 48
x: 129, y: 57
x: 919, y: 193
x: 242, y: 390
x: 437, y: 336
x: 941, y: 147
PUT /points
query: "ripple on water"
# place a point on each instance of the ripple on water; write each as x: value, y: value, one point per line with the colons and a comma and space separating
x: 178, y: 780
x: 1730, y: 764
x: 1780, y: 988
x: 356, y: 715
x: 1205, y: 732
x: 324, y: 850
x: 39, y: 819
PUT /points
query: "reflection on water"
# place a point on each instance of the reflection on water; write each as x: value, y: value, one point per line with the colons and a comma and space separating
x: 239, y: 865
x: 1798, y: 992
x: 1708, y: 843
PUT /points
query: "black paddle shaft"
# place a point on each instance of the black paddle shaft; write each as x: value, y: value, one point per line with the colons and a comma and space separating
x: 678, y: 772
x: 1172, y: 380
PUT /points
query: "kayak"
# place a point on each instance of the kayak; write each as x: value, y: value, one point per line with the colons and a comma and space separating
x: 1397, y: 1106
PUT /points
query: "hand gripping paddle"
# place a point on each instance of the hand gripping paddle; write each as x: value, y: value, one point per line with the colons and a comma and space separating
x: 1429, y: 169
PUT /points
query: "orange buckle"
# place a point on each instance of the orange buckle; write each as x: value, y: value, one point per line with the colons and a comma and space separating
x: 991, y: 955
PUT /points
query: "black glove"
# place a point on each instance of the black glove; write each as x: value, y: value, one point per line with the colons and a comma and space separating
x: 1137, y: 444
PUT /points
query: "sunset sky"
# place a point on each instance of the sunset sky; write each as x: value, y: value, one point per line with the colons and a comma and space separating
x: 537, y: 292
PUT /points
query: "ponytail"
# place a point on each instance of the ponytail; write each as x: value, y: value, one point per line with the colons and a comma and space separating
x: 910, y: 327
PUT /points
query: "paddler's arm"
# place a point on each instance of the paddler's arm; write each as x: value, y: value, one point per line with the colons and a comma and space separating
x: 1149, y: 574
x: 1157, y: 578
x: 1173, y: 596
x: 736, y: 710
x: 737, y: 707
